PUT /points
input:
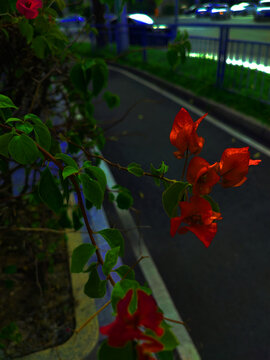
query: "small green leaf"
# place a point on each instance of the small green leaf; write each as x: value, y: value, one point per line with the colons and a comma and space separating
x: 49, y: 191
x: 25, y: 127
x: 110, y: 260
x: 168, y: 339
x: 11, y: 269
x: 42, y: 135
x: 69, y: 170
x: 124, y: 200
x: 23, y: 149
x: 135, y: 169
x: 95, y: 288
x: 34, y: 118
x: 165, y: 355
x: 119, y: 291
x: 11, y: 120
x: 171, y: 197
x: 39, y: 45
x: 76, y: 218
x: 97, y: 173
x: 26, y: 30
x: 92, y: 190
x: 4, y: 141
x: 126, y: 352
x: 126, y: 271
x: 81, y: 254
x: 6, y: 102
x: 111, y: 99
x: 77, y: 76
x: 67, y: 160
x: 99, y: 76
x: 114, y: 238
x: 61, y: 4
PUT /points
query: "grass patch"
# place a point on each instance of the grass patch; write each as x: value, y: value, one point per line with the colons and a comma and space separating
x: 199, y: 76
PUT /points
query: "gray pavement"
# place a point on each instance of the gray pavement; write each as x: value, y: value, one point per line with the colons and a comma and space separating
x: 221, y: 292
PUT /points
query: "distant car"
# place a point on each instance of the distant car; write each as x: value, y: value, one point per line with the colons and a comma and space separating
x: 244, y: 8
x: 191, y: 10
x: 220, y: 11
x: 72, y: 23
x: 204, y: 10
x: 143, y: 30
x: 263, y: 11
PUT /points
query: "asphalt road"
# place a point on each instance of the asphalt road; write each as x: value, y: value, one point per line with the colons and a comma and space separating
x: 223, y: 292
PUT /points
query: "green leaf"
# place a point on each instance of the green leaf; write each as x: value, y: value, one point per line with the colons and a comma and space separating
x: 80, y: 256
x: 34, y: 118
x: 124, y: 200
x: 119, y: 291
x: 96, y: 172
x: 23, y: 149
x: 165, y: 355
x: 95, y: 288
x: 26, y: 30
x: 42, y: 135
x: 110, y: 260
x: 61, y: 4
x: 168, y: 339
x: 6, y: 102
x: 135, y: 169
x: 171, y: 197
x: 76, y: 218
x: 111, y: 99
x: 99, y: 76
x: 49, y: 191
x: 11, y: 269
x: 67, y: 160
x: 4, y: 141
x: 25, y: 127
x: 77, y: 76
x: 214, y: 205
x: 123, y: 270
x: 92, y: 190
x: 69, y: 170
x: 39, y: 45
x: 127, y: 352
x: 11, y: 120
x: 114, y: 238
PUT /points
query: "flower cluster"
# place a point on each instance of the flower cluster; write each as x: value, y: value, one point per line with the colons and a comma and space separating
x: 129, y: 327
x: 230, y: 171
x: 29, y: 8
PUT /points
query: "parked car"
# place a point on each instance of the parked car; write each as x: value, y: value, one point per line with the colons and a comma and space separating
x: 204, y: 10
x: 244, y: 8
x: 71, y: 24
x: 220, y: 11
x: 143, y: 30
x: 263, y: 11
x: 191, y: 10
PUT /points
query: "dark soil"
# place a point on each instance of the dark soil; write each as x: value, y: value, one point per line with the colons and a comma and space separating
x: 36, y: 303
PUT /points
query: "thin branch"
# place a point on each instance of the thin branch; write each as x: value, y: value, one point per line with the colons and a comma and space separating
x: 174, y: 321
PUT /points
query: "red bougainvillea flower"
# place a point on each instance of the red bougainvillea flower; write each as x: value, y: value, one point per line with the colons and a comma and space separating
x: 184, y: 135
x: 145, y: 349
x: 128, y: 326
x: 200, y: 218
x: 201, y: 175
x: 233, y: 166
x: 29, y: 8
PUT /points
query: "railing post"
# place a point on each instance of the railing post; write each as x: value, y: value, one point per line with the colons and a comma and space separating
x: 222, y: 54
x: 122, y: 36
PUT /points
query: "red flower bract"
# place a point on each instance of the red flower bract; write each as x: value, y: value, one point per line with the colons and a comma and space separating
x: 128, y: 326
x: 233, y: 166
x: 200, y: 218
x: 201, y: 175
x: 29, y: 8
x: 184, y: 135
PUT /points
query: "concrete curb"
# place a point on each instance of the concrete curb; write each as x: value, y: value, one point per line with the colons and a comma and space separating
x: 228, y: 116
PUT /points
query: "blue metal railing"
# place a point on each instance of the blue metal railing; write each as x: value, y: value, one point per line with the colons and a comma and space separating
x: 241, y: 65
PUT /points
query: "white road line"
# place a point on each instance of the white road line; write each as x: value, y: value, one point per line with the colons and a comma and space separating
x: 186, y: 349
x: 235, y: 133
